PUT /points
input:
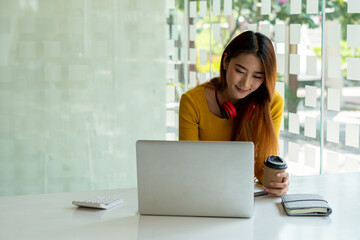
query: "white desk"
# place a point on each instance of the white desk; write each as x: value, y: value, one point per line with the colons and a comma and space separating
x: 52, y: 216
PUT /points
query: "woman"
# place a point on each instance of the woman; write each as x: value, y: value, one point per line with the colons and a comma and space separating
x: 241, y: 104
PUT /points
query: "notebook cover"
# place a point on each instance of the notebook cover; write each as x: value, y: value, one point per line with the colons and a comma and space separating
x: 305, y: 204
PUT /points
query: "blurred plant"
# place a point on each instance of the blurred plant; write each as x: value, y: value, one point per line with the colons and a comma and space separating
x: 250, y: 11
x: 337, y: 10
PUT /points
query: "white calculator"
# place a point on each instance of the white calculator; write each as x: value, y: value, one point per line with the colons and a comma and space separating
x: 99, y: 202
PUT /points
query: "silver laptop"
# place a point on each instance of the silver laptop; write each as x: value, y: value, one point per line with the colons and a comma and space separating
x: 195, y: 178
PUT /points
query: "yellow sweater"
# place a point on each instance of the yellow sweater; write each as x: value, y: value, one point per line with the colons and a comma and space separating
x: 196, y: 122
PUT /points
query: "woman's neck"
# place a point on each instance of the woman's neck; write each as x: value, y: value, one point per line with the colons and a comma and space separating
x: 224, y: 96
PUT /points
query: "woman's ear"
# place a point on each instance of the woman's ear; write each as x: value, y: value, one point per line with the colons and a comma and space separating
x: 225, y: 62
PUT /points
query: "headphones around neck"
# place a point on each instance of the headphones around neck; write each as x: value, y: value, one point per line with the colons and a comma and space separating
x: 228, y: 110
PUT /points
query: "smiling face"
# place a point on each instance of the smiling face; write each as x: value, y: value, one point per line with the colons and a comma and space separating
x: 244, y: 74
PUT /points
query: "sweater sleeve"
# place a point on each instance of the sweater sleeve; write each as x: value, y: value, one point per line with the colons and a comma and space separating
x: 277, y: 109
x: 188, y: 118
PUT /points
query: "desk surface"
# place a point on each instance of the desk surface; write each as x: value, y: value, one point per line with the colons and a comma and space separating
x: 52, y: 216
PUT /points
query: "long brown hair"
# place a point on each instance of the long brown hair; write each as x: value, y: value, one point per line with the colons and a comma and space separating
x: 259, y: 129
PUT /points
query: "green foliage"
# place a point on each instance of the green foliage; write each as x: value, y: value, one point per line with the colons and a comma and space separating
x: 337, y: 10
x: 280, y: 11
x: 248, y: 11
x: 251, y: 13
x: 317, y: 51
x: 346, y: 52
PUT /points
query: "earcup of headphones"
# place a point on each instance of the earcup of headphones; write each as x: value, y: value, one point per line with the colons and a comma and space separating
x: 229, y: 110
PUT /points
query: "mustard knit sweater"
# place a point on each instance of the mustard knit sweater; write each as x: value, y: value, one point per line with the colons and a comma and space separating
x: 196, y: 122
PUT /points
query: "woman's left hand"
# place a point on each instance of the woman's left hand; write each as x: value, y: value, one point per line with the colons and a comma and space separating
x: 279, y: 188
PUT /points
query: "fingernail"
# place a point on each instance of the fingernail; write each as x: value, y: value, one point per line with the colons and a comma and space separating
x: 279, y: 175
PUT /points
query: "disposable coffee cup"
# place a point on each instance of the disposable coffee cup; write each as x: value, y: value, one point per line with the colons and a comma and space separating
x: 273, y: 166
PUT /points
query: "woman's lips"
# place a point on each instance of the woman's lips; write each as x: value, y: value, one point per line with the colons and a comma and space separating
x: 241, y: 90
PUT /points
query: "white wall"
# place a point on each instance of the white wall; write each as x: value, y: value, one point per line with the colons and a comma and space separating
x: 80, y: 82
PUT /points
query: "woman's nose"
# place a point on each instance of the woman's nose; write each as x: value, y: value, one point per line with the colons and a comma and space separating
x: 246, y: 81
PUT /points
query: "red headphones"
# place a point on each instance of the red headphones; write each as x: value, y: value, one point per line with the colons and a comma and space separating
x: 228, y: 110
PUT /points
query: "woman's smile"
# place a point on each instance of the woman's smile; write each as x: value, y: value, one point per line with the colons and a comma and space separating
x: 241, y: 90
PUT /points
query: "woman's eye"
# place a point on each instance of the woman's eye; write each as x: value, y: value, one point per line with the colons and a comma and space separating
x: 257, y: 77
x: 240, y: 71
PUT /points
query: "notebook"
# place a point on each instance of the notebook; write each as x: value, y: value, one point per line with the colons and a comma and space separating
x: 305, y: 205
x: 195, y: 178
